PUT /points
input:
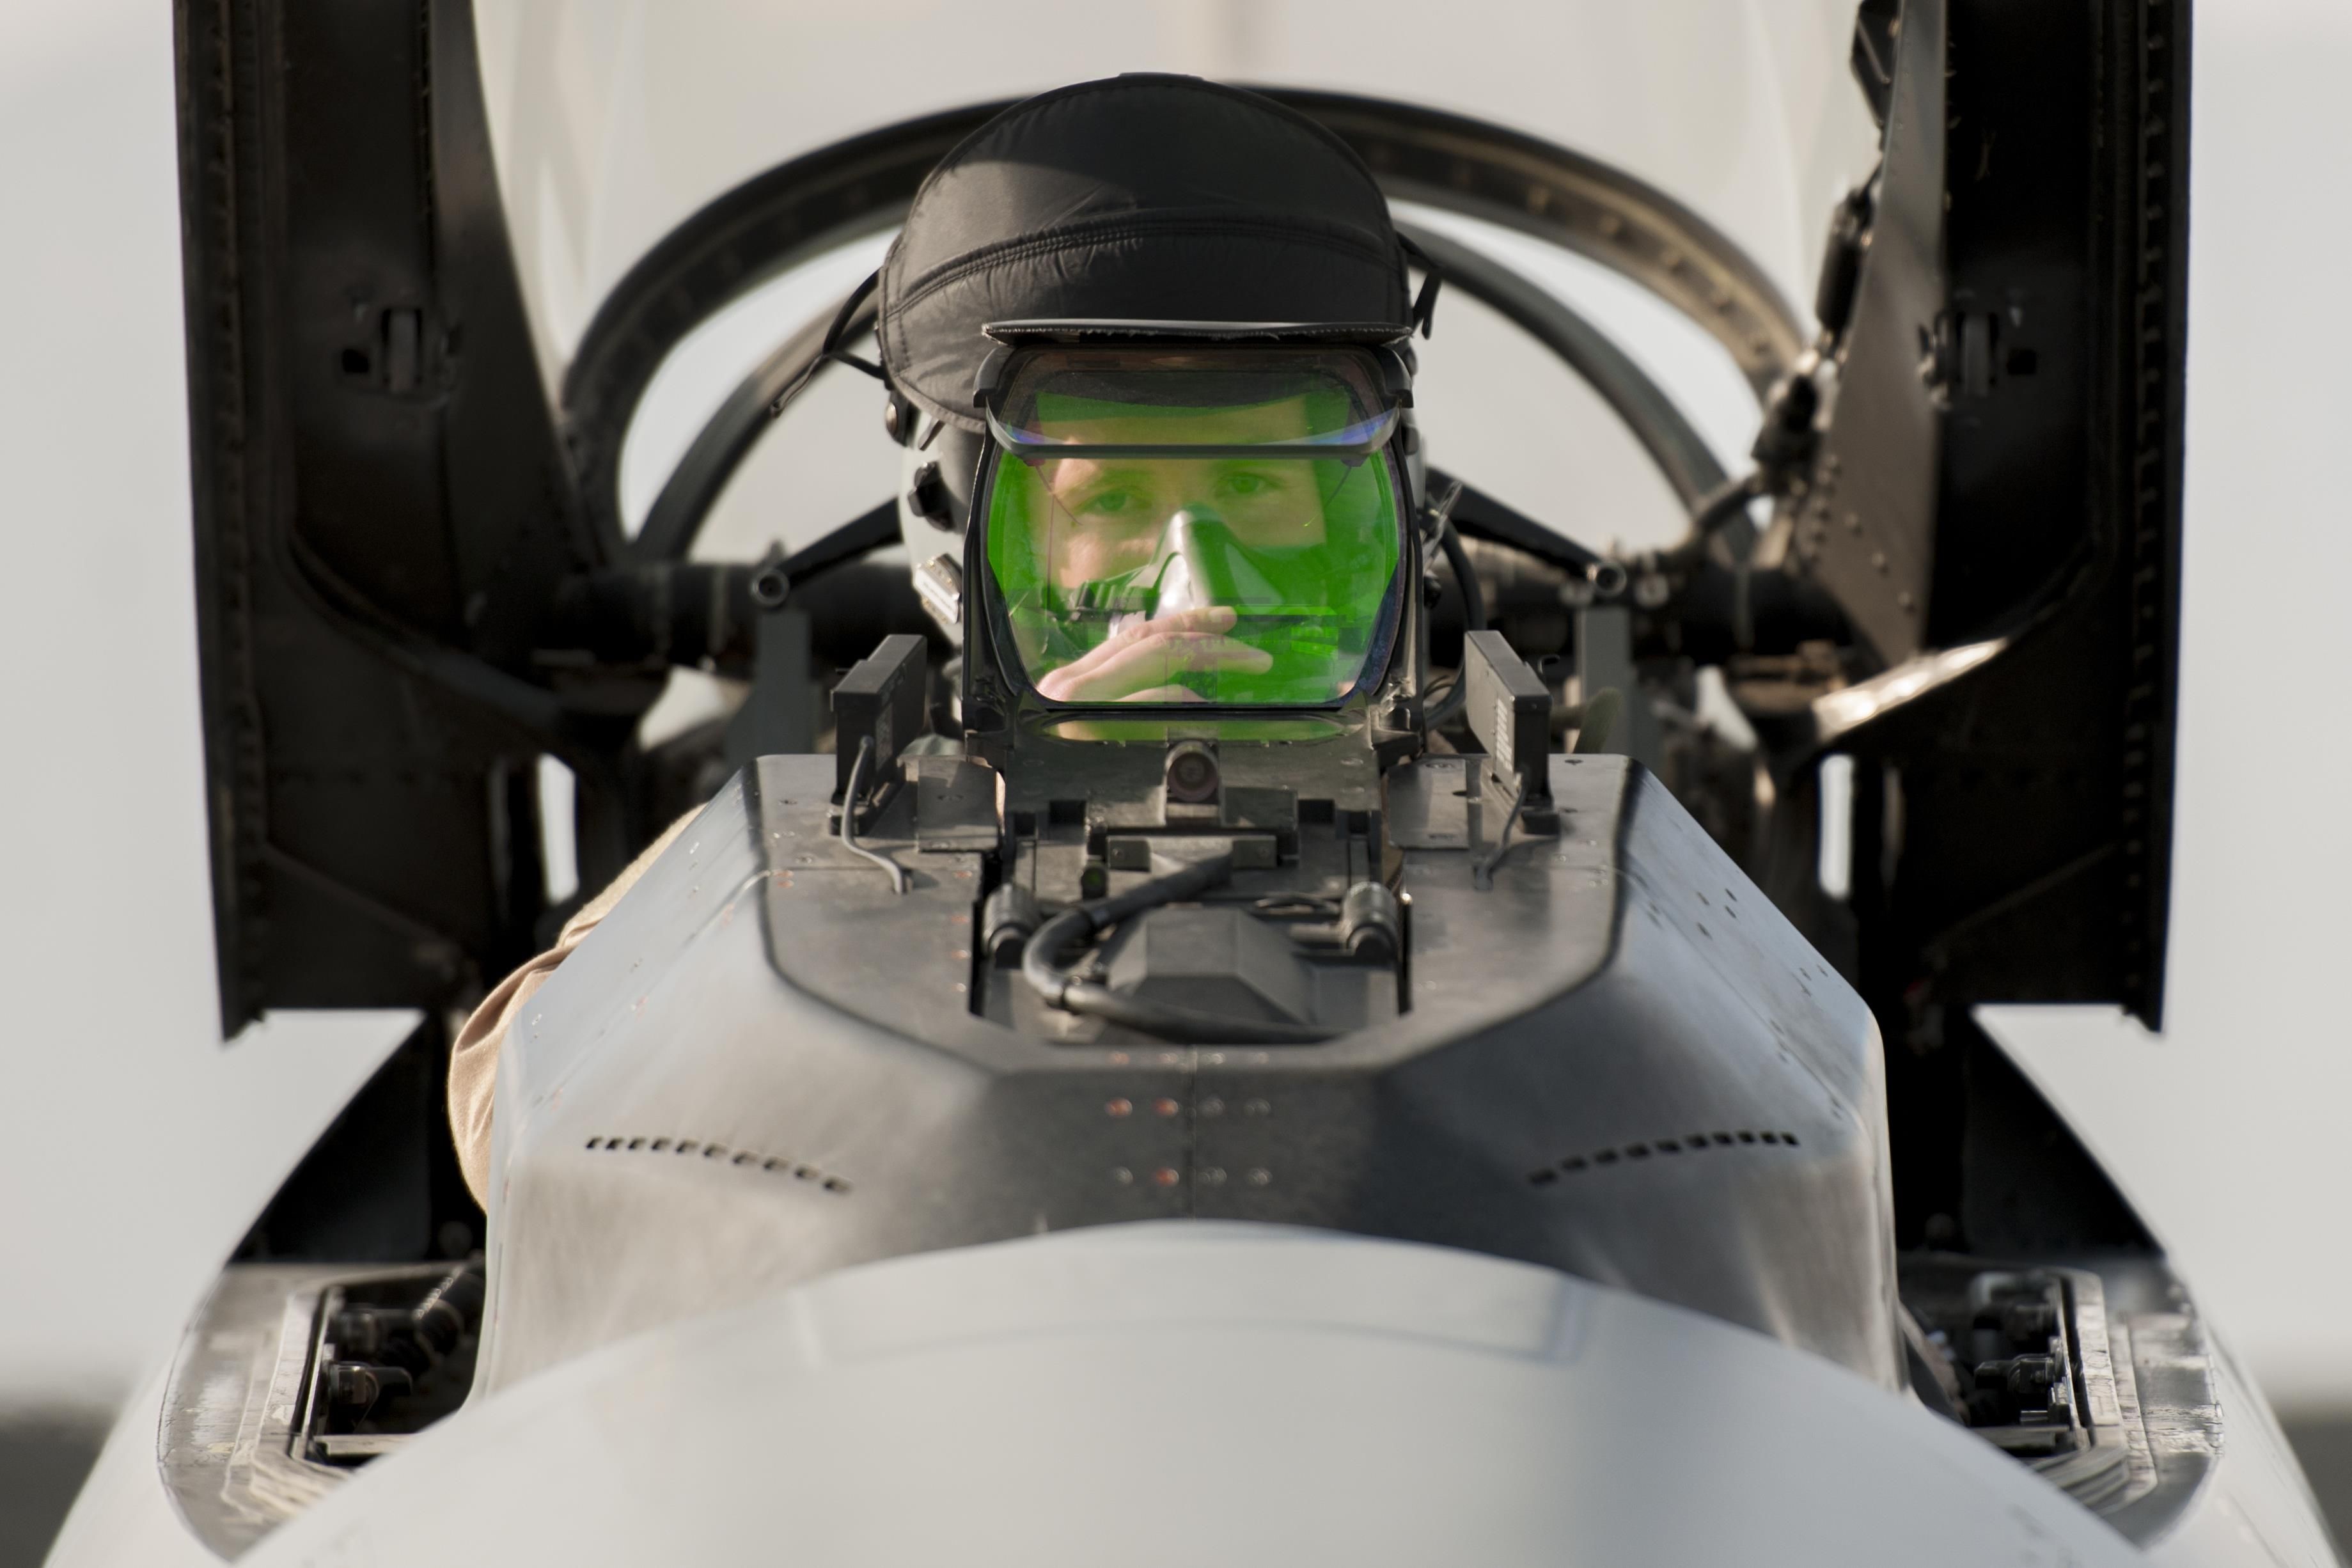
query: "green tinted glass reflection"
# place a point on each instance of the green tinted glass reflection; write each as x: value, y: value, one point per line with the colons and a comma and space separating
x: 1169, y: 578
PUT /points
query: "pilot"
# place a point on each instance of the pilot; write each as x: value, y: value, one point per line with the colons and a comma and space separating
x: 1212, y: 516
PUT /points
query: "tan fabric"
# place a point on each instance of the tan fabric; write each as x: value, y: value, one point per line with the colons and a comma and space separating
x: 474, y: 1059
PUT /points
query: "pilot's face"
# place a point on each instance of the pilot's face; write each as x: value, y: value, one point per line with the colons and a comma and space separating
x: 1111, y: 512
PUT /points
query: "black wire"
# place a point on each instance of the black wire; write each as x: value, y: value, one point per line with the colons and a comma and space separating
x: 1058, y: 987
x: 1482, y: 875
x: 1038, y: 962
x: 1473, y: 597
x: 1473, y: 619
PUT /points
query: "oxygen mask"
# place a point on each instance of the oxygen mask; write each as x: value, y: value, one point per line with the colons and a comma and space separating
x: 1198, y: 564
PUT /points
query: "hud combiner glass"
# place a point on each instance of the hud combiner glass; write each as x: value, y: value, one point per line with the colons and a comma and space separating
x: 1194, y: 524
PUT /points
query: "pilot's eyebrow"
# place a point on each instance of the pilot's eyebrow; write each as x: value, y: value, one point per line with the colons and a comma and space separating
x: 1098, y: 479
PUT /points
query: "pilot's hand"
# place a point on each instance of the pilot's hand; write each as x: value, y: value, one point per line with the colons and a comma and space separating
x: 1133, y: 664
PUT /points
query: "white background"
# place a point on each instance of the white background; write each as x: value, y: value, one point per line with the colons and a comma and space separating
x: 134, y: 1147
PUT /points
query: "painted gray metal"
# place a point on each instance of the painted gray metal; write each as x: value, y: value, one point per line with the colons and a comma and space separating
x: 1622, y: 1062
x: 1202, y: 1393
x: 2212, y: 1481
x: 225, y: 1442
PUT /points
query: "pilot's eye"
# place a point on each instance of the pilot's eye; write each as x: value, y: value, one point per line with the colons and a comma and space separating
x: 1109, y: 503
x: 1246, y: 485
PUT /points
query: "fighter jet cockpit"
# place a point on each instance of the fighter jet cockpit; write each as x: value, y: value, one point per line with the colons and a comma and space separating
x: 1257, y: 821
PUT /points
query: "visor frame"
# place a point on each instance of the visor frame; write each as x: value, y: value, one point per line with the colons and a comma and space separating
x: 1033, y: 452
x: 1389, y: 346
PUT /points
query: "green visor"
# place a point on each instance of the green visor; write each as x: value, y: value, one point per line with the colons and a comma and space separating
x: 1195, y: 525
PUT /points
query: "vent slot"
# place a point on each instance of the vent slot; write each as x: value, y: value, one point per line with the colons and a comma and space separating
x: 1658, y: 1147
x: 742, y: 1159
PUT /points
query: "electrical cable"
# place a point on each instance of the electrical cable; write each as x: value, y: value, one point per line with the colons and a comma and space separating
x: 1473, y: 605
x: 849, y: 819
x: 1058, y: 986
x: 1473, y: 597
x: 1482, y: 875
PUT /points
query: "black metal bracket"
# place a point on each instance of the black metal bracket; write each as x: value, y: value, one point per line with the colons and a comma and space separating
x: 881, y: 701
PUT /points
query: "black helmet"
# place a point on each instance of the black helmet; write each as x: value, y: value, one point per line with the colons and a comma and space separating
x: 1151, y: 198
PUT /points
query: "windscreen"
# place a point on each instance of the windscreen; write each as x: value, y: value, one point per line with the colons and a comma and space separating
x: 1214, y: 527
